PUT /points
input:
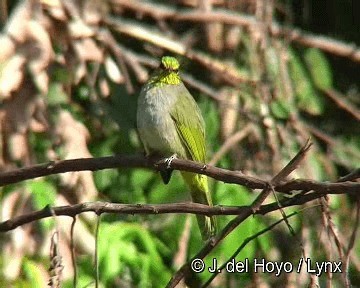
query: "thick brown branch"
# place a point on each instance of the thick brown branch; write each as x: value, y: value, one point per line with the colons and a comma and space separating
x: 63, y: 166
x: 227, y: 176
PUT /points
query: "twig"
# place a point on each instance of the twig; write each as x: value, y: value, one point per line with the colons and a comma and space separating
x: 96, y: 256
x: 291, y: 166
x: 56, y: 266
x: 352, y: 176
x: 113, y: 46
x: 202, y: 87
x: 341, y: 102
x: 352, y: 153
x: 230, y: 142
x: 351, y: 244
x: 72, y: 248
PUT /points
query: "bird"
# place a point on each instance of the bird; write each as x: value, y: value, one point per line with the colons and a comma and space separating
x: 170, y: 124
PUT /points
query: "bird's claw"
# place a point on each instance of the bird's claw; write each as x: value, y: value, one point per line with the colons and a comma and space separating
x: 169, y: 160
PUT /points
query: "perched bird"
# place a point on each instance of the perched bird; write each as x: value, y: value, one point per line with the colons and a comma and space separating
x: 170, y: 123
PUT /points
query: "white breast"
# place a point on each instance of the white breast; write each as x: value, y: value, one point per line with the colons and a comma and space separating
x: 156, y: 127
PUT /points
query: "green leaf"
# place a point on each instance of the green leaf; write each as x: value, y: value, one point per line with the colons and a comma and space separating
x: 317, y: 168
x: 307, y: 97
x: 347, y: 151
x: 280, y: 108
x: 105, y: 178
x: 272, y: 63
x: 33, y: 273
x: 43, y: 193
x: 85, y: 274
x: 235, y: 195
x: 319, y: 68
x: 125, y: 245
x: 56, y: 94
x: 211, y: 117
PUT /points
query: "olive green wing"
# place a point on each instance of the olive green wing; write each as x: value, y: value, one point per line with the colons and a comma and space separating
x: 189, y: 124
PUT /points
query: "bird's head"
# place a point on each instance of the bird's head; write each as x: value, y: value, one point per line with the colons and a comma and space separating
x: 167, y: 73
x: 169, y: 63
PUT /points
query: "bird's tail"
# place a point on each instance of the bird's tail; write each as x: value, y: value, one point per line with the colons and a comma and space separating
x: 200, y: 193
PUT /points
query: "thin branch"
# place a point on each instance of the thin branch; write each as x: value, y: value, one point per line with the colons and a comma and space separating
x: 254, y: 207
x: 228, y: 73
x: 326, y: 44
x: 227, y: 176
x: 96, y: 256
x: 113, y: 46
x: 104, y: 207
x: 351, y: 245
x: 72, y: 248
x: 352, y: 176
x: 200, y: 86
x: 291, y: 166
x: 231, y: 142
x: 192, y: 208
x: 243, y: 244
x: 341, y: 102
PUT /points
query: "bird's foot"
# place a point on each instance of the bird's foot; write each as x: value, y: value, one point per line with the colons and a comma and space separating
x: 169, y: 160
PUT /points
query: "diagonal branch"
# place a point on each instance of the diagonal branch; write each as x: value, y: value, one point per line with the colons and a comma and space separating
x: 254, y: 207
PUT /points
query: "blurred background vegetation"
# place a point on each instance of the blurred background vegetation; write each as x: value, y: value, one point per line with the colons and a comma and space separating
x: 267, y: 75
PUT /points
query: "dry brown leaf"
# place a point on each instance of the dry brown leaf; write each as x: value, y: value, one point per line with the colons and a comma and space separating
x: 104, y: 87
x: 18, y: 115
x: 20, y: 110
x: 40, y: 52
x: 22, y: 242
x: 51, y: 3
x: 232, y: 37
x: 18, y: 146
x: 18, y: 21
x: 80, y: 72
x: 7, y: 48
x: 229, y: 112
x: 87, y: 50
x: 39, y: 122
x: 141, y: 73
x: 11, y: 75
x: 41, y: 80
x: 58, y: 13
x: 94, y: 10
x: 13, y: 252
x: 113, y: 71
x: 74, y: 136
x: 78, y: 29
